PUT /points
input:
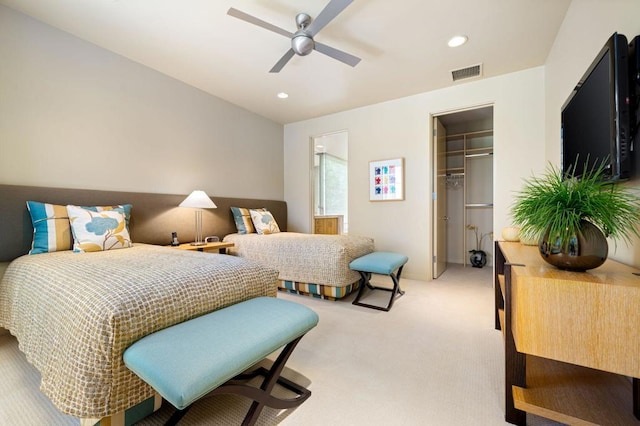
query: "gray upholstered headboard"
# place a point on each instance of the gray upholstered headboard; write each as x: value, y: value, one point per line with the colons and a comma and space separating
x: 153, y: 217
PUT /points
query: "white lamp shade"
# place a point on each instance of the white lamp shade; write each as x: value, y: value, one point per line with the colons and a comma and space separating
x: 198, y: 199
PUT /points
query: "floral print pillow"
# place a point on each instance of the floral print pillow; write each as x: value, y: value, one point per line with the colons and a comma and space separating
x: 264, y: 222
x: 98, y: 230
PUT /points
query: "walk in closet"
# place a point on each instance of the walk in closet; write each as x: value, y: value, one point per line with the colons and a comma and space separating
x: 467, y: 179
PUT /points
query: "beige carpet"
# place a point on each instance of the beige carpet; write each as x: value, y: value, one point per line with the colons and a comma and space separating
x: 434, y: 359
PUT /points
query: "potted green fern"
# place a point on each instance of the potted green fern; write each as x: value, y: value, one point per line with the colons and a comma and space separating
x: 571, y: 217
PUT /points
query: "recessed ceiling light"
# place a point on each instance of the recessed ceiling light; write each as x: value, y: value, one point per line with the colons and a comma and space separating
x: 458, y: 40
x: 283, y: 95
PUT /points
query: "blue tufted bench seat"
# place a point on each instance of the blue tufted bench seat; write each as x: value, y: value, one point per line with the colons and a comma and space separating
x: 382, y: 263
x: 206, y: 355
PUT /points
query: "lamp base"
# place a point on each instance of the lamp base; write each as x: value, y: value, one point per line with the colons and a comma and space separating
x: 199, y: 243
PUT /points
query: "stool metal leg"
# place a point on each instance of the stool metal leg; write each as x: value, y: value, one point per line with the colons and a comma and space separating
x: 261, y: 396
x: 269, y: 382
x: 396, y: 291
x: 176, y: 416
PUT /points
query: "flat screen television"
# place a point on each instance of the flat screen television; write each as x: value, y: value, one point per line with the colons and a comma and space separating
x: 596, y: 118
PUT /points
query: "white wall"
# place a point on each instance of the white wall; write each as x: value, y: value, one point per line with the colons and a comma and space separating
x: 401, y: 128
x: 586, y: 27
x: 75, y: 115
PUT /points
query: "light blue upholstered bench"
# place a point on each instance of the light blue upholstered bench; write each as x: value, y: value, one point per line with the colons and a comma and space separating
x: 382, y: 263
x: 206, y: 355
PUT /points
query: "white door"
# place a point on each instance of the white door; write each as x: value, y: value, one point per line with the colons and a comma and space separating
x: 439, y: 199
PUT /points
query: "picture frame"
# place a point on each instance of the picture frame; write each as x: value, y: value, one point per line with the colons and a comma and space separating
x: 386, y: 180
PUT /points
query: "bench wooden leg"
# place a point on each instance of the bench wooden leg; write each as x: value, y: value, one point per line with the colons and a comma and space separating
x: 261, y: 396
x: 396, y: 291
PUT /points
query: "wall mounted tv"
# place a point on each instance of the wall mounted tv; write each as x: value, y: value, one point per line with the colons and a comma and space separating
x: 597, y: 116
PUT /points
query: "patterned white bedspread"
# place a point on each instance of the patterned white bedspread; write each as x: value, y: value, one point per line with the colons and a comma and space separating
x: 74, y: 314
x: 307, y: 258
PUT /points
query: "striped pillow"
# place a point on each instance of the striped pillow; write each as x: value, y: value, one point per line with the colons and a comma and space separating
x: 51, y: 230
x: 242, y: 219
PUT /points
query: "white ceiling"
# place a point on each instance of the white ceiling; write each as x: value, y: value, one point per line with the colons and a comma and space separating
x: 402, y: 43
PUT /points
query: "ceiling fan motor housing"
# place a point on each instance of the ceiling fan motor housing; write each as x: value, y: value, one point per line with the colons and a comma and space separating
x: 302, y: 43
x: 302, y: 20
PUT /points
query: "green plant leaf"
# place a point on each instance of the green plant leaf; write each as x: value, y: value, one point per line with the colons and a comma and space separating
x: 559, y: 202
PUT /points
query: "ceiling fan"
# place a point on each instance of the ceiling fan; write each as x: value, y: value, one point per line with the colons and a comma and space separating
x: 302, y: 42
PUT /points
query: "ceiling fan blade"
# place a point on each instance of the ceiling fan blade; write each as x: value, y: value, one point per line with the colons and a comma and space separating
x: 283, y: 61
x: 337, y: 54
x: 330, y: 11
x: 259, y: 22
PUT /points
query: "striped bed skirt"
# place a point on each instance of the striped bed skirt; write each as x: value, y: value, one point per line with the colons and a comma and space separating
x: 320, y: 291
x: 130, y: 416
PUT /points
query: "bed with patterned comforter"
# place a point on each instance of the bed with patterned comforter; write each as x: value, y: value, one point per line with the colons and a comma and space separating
x: 310, y: 264
x: 74, y: 314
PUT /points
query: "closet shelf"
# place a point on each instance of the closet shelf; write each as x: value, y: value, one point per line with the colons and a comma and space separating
x: 479, y: 205
x: 455, y: 171
x: 488, y: 132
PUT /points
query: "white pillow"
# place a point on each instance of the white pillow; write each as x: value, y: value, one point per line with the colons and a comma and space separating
x: 264, y: 222
x: 98, y: 231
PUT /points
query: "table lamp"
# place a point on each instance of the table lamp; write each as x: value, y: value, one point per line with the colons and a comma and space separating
x: 198, y: 200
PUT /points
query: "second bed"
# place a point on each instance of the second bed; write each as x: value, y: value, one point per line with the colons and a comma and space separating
x: 310, y: 264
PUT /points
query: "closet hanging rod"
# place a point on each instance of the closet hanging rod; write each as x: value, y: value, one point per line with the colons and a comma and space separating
x: 484, y: 154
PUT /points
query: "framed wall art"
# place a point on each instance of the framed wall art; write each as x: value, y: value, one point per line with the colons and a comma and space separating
x: 386, y: 180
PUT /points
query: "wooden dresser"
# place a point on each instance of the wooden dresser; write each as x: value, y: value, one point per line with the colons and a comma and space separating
x: 328, y: 224
x: 572, y: 339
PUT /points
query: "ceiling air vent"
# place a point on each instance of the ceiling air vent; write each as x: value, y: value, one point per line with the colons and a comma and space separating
x: 468, y: 72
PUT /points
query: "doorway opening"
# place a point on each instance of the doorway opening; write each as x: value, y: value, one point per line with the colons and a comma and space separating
x: 330, y: 183
x: 462, y: 189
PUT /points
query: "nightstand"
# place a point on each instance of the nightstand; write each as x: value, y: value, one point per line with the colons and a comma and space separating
x: 220, y: 246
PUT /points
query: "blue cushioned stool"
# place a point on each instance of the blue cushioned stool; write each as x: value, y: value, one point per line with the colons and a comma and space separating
x: 382, y: 263
x: 208, y: 354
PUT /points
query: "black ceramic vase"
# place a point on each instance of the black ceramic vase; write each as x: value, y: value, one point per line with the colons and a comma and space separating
x: 478, y: 258
x: 586, y: 250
